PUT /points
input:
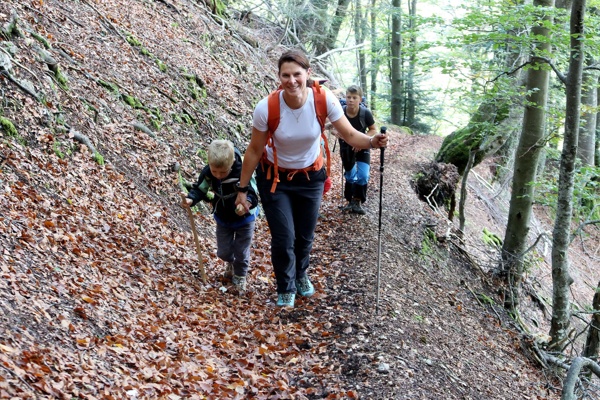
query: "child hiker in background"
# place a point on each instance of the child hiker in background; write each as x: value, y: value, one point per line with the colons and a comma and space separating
x: 235, y: 226
x: 356, y: 162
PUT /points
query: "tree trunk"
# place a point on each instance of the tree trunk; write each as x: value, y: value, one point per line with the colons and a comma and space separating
x: 315, y: 26
x: 597, y: 150
x: 396, y: 70
x: 410, y: 81
x: 360, y: 32
x: 592, y: 343
x: 375, y: 59
x: 561, y: 280
x: 525, y: 166
x: 586, y: 145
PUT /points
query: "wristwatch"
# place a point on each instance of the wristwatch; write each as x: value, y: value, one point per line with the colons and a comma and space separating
x: 241, y: 189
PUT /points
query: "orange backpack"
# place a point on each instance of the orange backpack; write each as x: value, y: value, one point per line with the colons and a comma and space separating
x: 320, y: 98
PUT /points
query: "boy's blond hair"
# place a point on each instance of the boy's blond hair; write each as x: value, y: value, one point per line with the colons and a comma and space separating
x: 221, y: 154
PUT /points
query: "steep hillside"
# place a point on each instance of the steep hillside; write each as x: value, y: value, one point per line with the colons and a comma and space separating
x: 106, y: 108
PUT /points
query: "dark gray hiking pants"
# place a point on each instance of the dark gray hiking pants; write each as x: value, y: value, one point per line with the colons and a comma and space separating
x: 292, y: 213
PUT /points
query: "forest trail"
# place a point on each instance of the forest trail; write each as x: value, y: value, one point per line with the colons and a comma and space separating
x: 99, y: 291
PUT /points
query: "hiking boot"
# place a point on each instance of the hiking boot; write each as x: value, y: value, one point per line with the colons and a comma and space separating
x: 304, y: 286
x: 239, y: 282
x: 357, y: 208
x: 228, y: 274
x: 286, y: 299
x: 349, y: 206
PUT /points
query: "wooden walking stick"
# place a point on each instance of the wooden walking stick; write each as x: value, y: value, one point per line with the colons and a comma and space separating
x: 193, y: 224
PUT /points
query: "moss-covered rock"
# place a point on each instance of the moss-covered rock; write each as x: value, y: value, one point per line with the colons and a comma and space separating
x: 132, y: 40
x: 61, y: 78
x: 41, y: 39
x: 113, y: 88
x: 132, y: 101
x: 8, y: 127
x: 161, y: 65
x: 482, y: 130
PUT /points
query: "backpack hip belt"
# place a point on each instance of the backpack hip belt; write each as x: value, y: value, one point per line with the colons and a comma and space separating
x: 264, y: 162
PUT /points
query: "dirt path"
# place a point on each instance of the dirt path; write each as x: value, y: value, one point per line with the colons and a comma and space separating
x: 434, y: 336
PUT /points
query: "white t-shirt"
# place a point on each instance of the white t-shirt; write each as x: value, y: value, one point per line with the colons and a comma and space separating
x: 298, y: 136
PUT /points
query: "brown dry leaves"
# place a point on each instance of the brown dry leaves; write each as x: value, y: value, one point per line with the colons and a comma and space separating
x: 99, y: 298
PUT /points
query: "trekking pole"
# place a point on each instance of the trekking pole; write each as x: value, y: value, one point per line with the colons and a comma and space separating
x: 193, y: 224
x: 342, y: 186
x: 381, y: 158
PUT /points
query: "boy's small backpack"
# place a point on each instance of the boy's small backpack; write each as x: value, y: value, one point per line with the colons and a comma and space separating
x: 274, y: 116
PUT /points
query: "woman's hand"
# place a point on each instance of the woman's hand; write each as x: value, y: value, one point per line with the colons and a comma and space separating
x: 241, y: 210
x: 356, y: 139
x: 242, y: 203
x: 379, y: 140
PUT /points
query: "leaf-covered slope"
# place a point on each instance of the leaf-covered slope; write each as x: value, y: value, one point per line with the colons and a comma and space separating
x: 98, y: 296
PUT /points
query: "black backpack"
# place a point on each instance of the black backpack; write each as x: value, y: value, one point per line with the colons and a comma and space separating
x: 361, y: 116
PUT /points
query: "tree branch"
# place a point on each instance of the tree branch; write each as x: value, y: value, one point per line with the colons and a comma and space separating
x: 559, y: 74
x: 573, y: 376
x: 581, y: 226
x: 330, y: 52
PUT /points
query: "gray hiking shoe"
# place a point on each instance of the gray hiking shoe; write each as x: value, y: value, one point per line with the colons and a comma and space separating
x: 357, y: 208
x: 304, y: 286
x: 239, y: 282
x: 228, y: 274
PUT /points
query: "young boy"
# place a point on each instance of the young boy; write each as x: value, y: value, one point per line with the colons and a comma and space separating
x: 356, y: 162
x: 235, y: 228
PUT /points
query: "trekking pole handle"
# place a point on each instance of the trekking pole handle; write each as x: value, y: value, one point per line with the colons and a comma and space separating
x: 383, y: 130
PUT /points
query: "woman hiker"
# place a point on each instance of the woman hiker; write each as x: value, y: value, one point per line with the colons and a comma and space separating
x: 290, y: 172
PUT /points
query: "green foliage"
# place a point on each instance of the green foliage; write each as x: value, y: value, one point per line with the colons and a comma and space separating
x: 135, y: 42
x: 98, y: 158
x: 586, y: 188
x: 132, y: 40
x: 61, y: 78
x: 428, y: 243
x: 112, y: 87
x: 484, y: 299
x: 491, y: 239
x: 196, y: 91
x: 220, y: 7
x: 132, y: 101
x: 57, y: 151
x: 41, y: 39
x: 203, y: 155
x: 156, y: 118
x: 8, y: 127
x: 161, y: 65
x: 184, y: 117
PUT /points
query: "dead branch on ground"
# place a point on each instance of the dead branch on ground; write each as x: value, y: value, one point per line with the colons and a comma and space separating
x: 572, y: 378
x: 81, y: 138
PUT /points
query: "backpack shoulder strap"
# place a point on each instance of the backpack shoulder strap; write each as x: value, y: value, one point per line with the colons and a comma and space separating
x: 320, y: 97
x: 361, y: 116
x: 273, y: 111
x: 273, y: 118
x: 320, y: 103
